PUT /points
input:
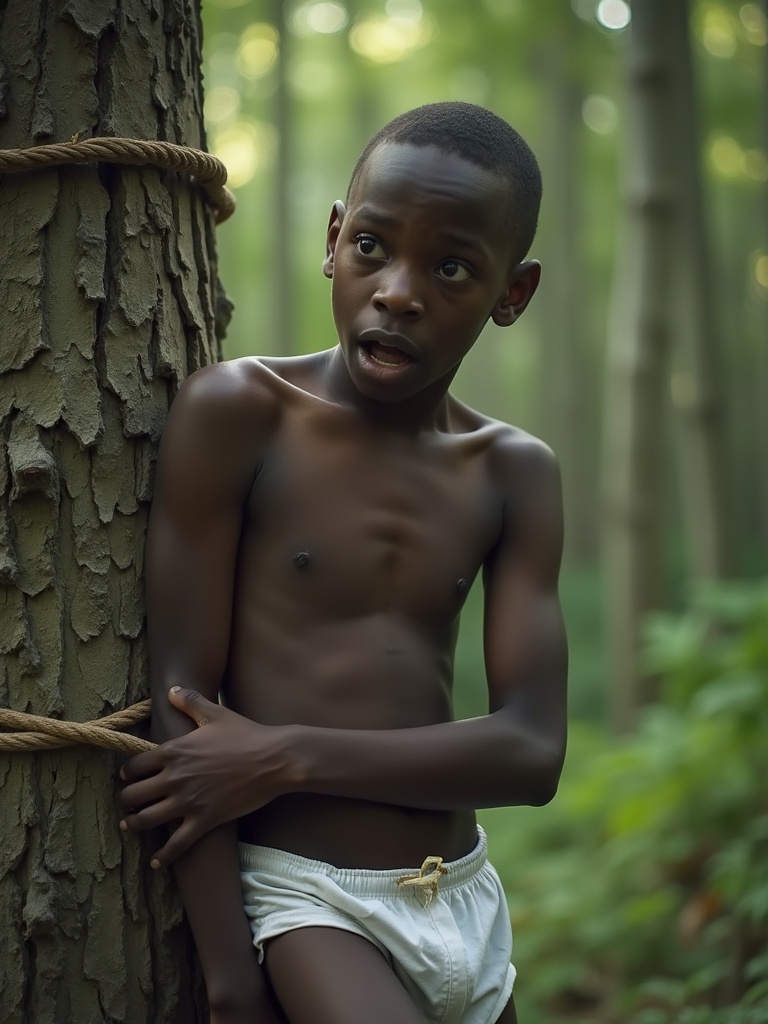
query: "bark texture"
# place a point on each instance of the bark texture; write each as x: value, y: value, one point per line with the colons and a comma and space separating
x: 638, y: 352
x: 108, y: 292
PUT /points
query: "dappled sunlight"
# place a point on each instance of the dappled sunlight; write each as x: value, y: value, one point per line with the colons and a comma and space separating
x: 600, y: 114
x: 719, y: 32
x: 221, y: 103
x: 613, y: 14
x: 386, y: 40
x: 245, y: 147
x: 729, y: 160
x: 258, y: 50
x: 759, y: 261
x: 754, y: 24
x: 323, y: 18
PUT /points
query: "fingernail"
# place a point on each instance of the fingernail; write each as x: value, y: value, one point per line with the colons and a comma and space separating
x: 155, y: 864
x: 123, y: 826
x: 122, y: 773
x: 175, y: 689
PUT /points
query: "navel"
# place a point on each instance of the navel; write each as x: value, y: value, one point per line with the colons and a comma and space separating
x: 462, y: 585
x: 301, y: 558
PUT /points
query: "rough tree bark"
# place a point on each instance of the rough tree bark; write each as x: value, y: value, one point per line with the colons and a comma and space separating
x: 108, y: 292
x: 639, y: 338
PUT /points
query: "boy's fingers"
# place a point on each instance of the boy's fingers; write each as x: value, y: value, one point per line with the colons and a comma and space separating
x: 142, y: 765
x: 144, y: 791
x: 192, y: 703
x: 181, y: 840
x: 158, y: 814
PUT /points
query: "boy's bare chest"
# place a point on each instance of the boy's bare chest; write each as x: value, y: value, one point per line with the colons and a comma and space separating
x: 385, y: 523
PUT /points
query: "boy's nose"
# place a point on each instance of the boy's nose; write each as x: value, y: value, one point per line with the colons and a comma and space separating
x: 399, y: 295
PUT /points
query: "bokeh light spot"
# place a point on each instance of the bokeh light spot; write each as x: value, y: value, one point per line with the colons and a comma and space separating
x: 613, y: 14
x: 221, y: 102
x: 244, y: 147
x: 404, y: 10
x: 319, y: 18
x: 719, y: 33
x: 599, y: 114
x: 761, y: 269
x: 755, y: 165
x: 258, y: 49
x: 384, y: 40
x: 726, y: 156
x: 754, y: 23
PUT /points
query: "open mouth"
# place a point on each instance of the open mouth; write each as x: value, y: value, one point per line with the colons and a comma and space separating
x: 386, y: 350
x: 386, y: 355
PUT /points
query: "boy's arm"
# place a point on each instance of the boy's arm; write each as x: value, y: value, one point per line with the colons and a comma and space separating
x: 513, y: 755
x: 202, y: 479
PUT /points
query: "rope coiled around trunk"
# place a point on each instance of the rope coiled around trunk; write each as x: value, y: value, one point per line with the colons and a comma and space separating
x: 208, y: 170
x: 35, y: 732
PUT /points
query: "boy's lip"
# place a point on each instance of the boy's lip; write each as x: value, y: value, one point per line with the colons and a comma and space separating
x: 389, y: 339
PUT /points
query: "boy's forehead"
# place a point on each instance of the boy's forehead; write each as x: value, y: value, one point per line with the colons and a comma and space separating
x: 404, y: 175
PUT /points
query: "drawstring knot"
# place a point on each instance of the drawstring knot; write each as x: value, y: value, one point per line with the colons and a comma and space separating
x: 427, y: 880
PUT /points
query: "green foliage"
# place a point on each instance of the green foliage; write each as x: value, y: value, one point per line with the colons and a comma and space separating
x: 641, y: 894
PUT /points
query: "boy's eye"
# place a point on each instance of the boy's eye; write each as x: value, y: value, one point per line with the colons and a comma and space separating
x: 367, y: 245
x: 452, y: 270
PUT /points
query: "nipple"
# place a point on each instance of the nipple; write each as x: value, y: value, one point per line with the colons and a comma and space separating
x: 301, y: 558
x: 462, y: 585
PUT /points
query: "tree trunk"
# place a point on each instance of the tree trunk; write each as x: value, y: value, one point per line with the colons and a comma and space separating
x: 566, y: 388
x: 109, y: 291
x: 761, y: 464
x: 638, y: 344
x: 699, y: 384
x: 282, y: 229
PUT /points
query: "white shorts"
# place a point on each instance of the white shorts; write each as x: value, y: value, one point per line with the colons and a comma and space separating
x: 445, y: 932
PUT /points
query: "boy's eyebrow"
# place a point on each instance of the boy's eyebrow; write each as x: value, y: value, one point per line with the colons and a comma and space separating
x: 465, y: 242
x: 370, y: 213
x: 450, y: 237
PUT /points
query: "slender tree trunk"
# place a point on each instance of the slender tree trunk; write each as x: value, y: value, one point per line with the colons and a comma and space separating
x: 638, y: 345
x: 762, y: 348
x: 108, y: 289
x: 566, y: 398
x: 283, y: 316
x: 700, y: 392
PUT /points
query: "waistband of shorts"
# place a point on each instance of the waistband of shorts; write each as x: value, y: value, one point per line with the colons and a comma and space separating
x: 361, y: 881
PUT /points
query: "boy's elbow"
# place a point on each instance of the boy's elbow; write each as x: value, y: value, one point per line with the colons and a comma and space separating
x: 544, y: 791
x: 542, y: 778
x: 548, y: 775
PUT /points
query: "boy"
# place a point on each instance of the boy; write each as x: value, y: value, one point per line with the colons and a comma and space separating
x: 316, y: 526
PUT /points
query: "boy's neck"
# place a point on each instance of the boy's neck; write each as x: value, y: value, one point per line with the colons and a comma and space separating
x: 427, y: 410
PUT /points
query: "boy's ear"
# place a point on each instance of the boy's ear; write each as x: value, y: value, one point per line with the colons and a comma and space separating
x: 334, y: 227
x: 523, y: 282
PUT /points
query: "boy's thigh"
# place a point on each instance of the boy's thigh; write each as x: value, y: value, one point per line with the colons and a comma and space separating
x: 329, y: 976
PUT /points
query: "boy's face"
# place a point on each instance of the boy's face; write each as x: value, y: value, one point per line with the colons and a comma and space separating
x: 420, y: 260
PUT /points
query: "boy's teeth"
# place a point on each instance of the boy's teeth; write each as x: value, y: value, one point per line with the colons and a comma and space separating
x: 387, y: 356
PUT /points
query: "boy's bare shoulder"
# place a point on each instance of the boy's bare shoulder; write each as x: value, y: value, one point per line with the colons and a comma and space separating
x: 515, y: 456
x: 249, y: 393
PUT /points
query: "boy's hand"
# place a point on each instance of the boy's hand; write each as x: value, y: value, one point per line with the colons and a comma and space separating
x: 199, y: 780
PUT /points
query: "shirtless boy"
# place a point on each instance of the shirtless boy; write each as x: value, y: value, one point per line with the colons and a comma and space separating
x: 316, y: 526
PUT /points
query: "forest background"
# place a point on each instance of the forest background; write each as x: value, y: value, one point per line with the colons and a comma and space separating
x: 641, y: 893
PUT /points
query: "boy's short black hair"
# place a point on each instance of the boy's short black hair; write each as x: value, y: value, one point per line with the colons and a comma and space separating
x: 481, y: 137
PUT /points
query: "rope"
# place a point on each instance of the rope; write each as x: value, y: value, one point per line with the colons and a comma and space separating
x: 38, y: 733
x: 210, y: 172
